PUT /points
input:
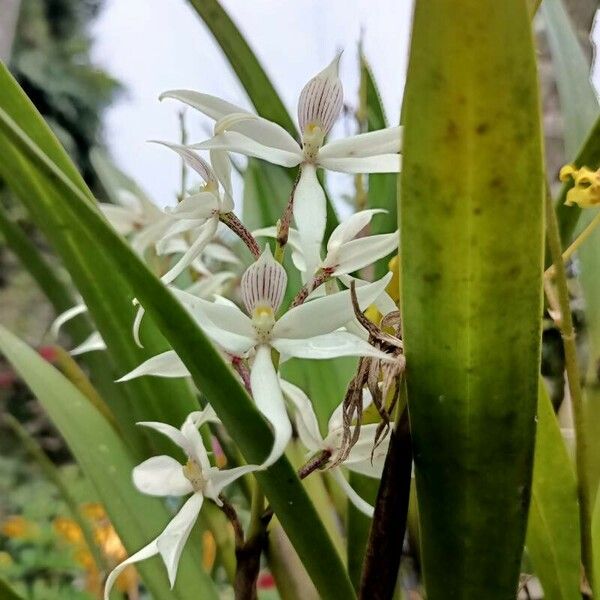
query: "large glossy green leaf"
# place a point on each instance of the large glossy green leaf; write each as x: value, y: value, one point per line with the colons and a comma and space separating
x: 472, y: 246
x: 210, y: 373
x: 106, y: 461
x: 105, y: 291
x: 553, y: 541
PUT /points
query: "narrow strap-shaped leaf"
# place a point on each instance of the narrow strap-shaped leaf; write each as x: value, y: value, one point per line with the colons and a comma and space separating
x: 103, y: 288
x: 105, y: 460
x: 229, y: 399
x: 553, y: 540
x: 7, y: 592
x: 245, y: 64
x: 382, y: 186
x: 472, y: 245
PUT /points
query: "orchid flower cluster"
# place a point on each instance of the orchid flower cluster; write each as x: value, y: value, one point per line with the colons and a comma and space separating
x: 321, y: 322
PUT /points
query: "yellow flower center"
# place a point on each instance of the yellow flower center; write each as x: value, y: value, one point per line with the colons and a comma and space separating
x: 193, y: 473
x: 312, y: 140
x: 263, y: 320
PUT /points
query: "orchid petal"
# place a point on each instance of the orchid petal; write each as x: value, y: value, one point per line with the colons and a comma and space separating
x: 211, y: 106
x: 206, y: 415
x: 260, y: 130
x: 221, y: 253
x: 381, y: 163
x: 172, y: 540
x: 220, y: 317
x: 197, y: 206
x: 192, y: 160
x: 161, y: 476
x: 146, y: 552
x: 349, y: 228
x: 145, y: 238
x: 171, y: 242
x: 351, y: 493
x: 206, y: 234
x: 169, y: 431
x: 269, y: 401
x: 321, y: 99
x: 93, y: 343
x: 356, y: 254
x: 189, y: 430
x: 222, y: 478
x: 310, y: 215
x: 326, y: 314
x: 122, y: 219
x: 263, y: 283
x: 137, y: 323
x: 167, y: 364
x: 384, y: 302
x: 328, y: 345
x: 293, y: 243
x: 210, y: 285
x: 306, y: 420
x: 221, y: 164
x: 232, y: 141
x: 65, y: 317
x: 383, y: 141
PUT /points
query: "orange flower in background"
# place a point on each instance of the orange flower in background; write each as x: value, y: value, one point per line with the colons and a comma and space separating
x: 18, y: 527
x: 109, y: 543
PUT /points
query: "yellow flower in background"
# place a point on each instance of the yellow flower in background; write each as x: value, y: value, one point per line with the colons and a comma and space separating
x: 18, y: 527
x: 6, y: 560
x: 209, y: 551
x: 586, y: 189
x: 109, y: 543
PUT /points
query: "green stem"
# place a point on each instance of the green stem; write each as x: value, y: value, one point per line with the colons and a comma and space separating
x: 572, y: 369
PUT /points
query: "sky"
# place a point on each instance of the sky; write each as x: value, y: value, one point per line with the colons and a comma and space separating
x: 155, y: 45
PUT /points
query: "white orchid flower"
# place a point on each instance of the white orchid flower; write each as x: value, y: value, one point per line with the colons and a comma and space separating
x: 92, y: 343
x: 359, y: 459
x: 311, y: 330
x: 165, y: 476
x: 137, y: 217
x: 345, y: 251
x: 200, y: 211
x: 320, y: 103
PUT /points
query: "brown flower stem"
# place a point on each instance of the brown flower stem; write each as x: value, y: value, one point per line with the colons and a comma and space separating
x: 231, y: 220
x: 386, y: 537
x: 283, y: 225
x: 315, y: 462
x: 572, y: 369
x: 319, y: 279
x: 247, y: 552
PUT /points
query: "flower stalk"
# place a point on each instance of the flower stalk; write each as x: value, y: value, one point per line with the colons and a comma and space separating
x: 565, y: 323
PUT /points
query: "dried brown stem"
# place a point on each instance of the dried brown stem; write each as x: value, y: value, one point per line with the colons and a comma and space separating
x: 231, y: 220
x: 384, y: 548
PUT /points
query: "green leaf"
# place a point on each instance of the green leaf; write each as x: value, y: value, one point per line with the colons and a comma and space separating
x: 7, y: 592
x: 578, y: 101
x: 104, y: 289
x: 229, y: 399
x: 581, y: 113
x: 106, y: 461
x: 61, y: 298
x: 553, y: 540
x: 255, y: 81
x: 472, y: 248
x: 243, y: 61
x: 382, y: 186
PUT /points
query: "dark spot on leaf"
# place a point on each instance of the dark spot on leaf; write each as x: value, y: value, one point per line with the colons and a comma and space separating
x: 482, y: 128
